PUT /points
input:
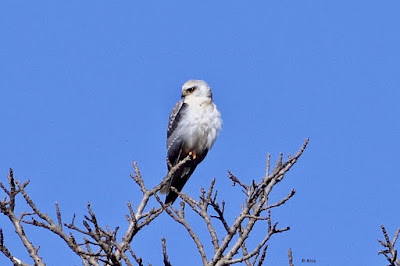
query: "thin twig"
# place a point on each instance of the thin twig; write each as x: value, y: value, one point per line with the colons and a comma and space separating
x: 389, y: 252
x: 290, y: 256
x: 164, y: 251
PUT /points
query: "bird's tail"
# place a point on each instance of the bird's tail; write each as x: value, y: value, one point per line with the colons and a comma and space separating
x: 178, y: 180
x: 166, y: 187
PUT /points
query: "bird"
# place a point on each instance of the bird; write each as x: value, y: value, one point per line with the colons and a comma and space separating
x: 193, y: 127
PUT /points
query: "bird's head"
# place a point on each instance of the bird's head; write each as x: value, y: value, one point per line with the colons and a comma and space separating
x: 196, y: 88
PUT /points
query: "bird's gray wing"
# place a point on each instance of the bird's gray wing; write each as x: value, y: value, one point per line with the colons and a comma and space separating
x: 175, y: 148
x: 174, y: 141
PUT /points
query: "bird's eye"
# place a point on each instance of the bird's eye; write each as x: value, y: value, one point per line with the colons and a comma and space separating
x: 190, y: 90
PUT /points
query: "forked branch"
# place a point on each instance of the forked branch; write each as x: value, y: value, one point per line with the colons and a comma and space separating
x: 256, y: 208
x: 389, y: 250
x: 99, y: 245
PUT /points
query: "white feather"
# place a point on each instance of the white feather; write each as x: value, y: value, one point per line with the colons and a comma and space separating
x: 201, y: 121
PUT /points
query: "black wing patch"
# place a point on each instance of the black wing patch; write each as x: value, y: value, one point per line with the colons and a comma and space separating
x: 175, y: 117
x: 174, y: 141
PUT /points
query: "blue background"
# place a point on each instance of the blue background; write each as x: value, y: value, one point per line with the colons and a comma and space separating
x: 87, y: 87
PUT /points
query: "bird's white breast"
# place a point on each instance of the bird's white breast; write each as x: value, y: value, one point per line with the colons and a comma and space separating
x: 200, y: 124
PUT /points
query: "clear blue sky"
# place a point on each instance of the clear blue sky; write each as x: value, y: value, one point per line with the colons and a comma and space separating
x: 87, y: 87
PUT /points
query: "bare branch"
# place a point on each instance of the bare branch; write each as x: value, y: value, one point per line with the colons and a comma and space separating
x: 282, y: 201
x: 12, y: 189
x: 7, y: 208
x: 220, y: 212
x: 96, y: 244
x: 165, y: 255
x: 235, y: 181
x: 290, y: 256
x: 172, y: 212
x: 257, y: 198
x: 7, y: 253
x: 138, y: 260
x: 389, y: 252
x: 263, y: 255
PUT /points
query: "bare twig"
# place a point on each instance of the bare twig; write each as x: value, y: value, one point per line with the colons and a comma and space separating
x: 7, y: 208
x: 98, y: 245
x: 263, y: 255
x: 256, y: 204
x: 389, y: 250
x: 164, y: 251
x: 178, y: 217
x: 290, y: 256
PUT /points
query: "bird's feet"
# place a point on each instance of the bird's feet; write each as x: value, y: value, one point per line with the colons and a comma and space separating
x: 192, y: 154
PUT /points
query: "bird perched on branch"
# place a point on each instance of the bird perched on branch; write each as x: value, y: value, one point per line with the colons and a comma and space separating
x: 193, y: 126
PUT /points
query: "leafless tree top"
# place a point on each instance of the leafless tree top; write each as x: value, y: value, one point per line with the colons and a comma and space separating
x: 96, y: 245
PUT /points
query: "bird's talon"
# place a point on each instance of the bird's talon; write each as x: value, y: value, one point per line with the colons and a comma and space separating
x: 192, y: 154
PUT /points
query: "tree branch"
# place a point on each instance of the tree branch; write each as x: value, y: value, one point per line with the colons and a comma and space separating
x: 389, y: 250
x: 165, y: 255
x: 99, y: 245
